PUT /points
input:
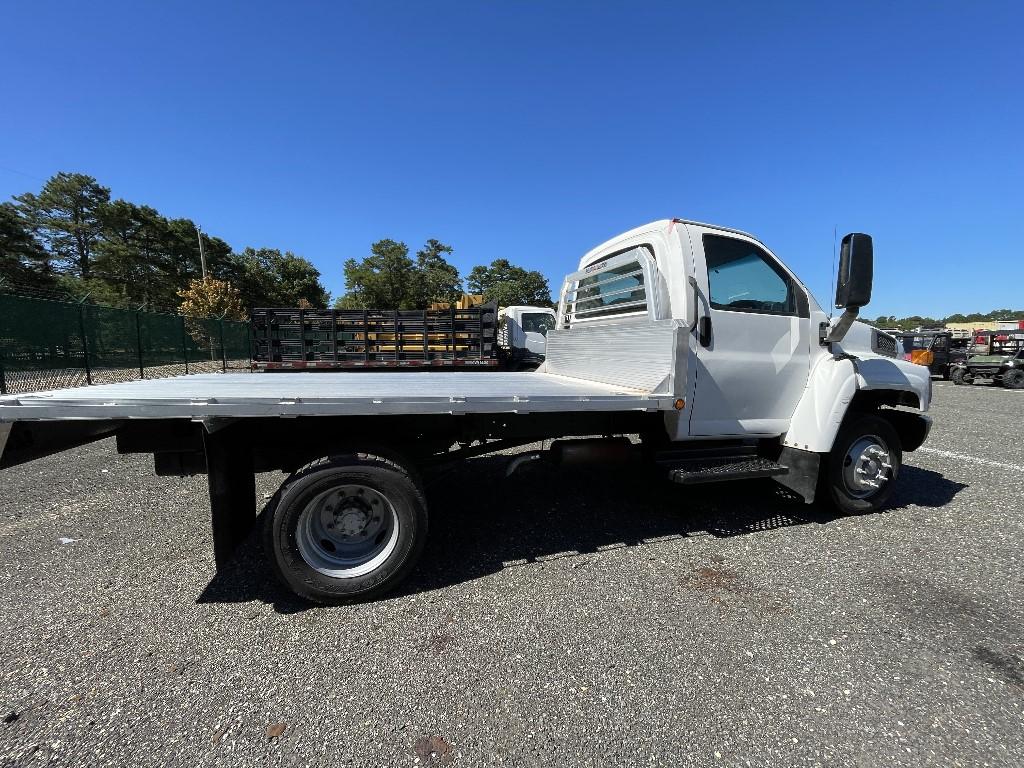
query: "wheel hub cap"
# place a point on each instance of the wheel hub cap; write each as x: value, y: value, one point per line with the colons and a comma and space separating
x: 867, y: 467
x: 347, y: 531
x: 351, y: 522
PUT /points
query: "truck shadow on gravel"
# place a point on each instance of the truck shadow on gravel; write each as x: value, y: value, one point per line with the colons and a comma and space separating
x: 482, y: 522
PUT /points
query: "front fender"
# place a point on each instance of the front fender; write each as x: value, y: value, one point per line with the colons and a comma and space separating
x: 835, y: 383
x: 885, y: 373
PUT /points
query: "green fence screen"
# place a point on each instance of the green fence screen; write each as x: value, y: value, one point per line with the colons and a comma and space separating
x: 48, y: 344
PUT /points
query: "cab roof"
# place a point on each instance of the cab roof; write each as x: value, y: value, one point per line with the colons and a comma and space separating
x: 654, y: 226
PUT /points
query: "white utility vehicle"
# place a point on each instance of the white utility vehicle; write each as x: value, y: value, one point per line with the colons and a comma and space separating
x: 522, y: 333
x: 695, y: 337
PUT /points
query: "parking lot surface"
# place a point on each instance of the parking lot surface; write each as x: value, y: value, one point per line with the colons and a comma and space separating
x: 556, y: 619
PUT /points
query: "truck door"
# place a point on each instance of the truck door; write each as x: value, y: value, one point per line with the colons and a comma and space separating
x: 752, y: 339
x: 535, y: 330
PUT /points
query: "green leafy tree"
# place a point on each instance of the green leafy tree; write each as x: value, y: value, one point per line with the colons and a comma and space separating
x: 181, y: 247
x: 386, y: 279
x: 22, y: 260
x: 438, y: 281
x: 68, y: 217
x: 507, y: 284
x: 268, y: 278
x: 918, y: 321
x: 349, y: 301
x: 133, y: 255
x: 389, y: 279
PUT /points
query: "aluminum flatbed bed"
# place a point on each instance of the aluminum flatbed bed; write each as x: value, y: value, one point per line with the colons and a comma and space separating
x: 242, y: 395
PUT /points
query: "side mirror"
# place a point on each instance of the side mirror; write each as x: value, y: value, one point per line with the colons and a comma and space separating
x: 856, y: 268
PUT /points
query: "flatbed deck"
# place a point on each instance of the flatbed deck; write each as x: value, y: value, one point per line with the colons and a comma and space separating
x: 243, y: 395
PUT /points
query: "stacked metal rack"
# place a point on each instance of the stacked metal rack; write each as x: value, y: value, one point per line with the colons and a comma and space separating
x: 293, y: 338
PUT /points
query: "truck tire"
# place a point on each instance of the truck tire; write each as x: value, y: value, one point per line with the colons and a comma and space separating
x: 347, y: 528
x: 1014, y: 379
x: 957, y: 376
x: 859, y: 473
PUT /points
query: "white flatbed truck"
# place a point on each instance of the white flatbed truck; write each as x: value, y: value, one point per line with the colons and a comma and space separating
x: 695, y: 337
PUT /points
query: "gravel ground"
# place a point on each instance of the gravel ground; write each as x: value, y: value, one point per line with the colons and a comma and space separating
x: 573, y: 619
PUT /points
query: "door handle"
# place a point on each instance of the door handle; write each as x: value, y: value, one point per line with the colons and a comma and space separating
x: 704, y: 330
x: 696, y: 301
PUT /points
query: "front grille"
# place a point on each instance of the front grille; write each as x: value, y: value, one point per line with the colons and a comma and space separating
x: 883, y: 344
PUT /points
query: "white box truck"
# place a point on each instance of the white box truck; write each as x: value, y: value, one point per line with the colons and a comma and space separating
x: 522, y: 336
x: 695, y: 337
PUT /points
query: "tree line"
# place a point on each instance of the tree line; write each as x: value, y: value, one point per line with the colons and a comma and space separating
x: 71, y: 238
x: 917, y: 321
x: 389, y: 278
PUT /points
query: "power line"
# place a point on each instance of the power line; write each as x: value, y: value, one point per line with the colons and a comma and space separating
x: 21, y: 173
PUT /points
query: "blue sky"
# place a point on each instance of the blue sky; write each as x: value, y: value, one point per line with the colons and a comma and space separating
x: 533, y: 131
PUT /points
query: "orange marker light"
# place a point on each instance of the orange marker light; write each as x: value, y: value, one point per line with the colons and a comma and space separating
x: 680, y: 404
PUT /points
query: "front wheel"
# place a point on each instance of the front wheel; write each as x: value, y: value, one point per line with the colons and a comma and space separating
x: 346, y: 528
x: 1014, y: 379
x: 859, y: 473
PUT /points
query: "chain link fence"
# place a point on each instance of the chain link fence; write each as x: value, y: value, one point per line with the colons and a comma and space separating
x: 46, y: 344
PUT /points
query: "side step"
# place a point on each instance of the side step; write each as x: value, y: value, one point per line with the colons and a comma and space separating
x: 721, y: 469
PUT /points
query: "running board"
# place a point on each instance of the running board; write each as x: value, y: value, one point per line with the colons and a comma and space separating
x: 722, y: 469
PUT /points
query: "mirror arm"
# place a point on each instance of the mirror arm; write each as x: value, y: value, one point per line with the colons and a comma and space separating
x: 839, y: 330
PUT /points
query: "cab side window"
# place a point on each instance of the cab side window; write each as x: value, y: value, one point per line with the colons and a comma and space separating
x: 744, y: 278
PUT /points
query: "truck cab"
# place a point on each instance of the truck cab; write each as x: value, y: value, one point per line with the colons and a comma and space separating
x: 522, y: 334
x: 714, y: 316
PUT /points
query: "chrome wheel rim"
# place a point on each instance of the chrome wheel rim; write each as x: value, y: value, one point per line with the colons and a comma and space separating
x: 347, y: 531
x: 867, y: 467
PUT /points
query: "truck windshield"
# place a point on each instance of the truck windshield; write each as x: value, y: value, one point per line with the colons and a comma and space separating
x: 538, y: 322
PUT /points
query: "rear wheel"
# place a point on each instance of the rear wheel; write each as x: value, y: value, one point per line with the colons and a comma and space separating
x: 1014, y: 379
x: 346, y: 528
x: 958, y: 376
x: 859, y: 473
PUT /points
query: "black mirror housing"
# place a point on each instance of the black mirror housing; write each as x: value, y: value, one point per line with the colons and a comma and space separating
x: 856, y: 270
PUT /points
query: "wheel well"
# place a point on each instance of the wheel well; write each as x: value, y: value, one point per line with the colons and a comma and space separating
x: 912, y: 428
x: 873, y: 399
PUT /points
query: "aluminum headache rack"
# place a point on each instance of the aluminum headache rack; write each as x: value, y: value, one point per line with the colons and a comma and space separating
x: 293, y: 338
x: 623, y: 286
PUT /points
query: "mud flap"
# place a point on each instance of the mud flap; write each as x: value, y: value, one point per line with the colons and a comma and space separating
x: 803, y: 472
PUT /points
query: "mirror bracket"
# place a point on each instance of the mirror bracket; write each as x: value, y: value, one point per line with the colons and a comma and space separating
x: 838, y: 331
